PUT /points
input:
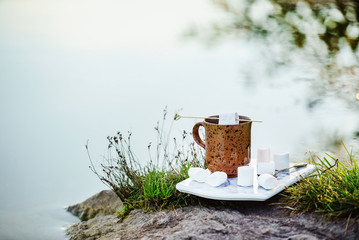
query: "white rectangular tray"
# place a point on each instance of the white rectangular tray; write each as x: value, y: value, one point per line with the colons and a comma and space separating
x: 231, y: 191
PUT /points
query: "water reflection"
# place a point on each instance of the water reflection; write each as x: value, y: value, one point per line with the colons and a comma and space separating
x: 323, y: 33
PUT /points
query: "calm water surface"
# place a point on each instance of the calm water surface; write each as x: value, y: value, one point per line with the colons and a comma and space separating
x: 72, y: 71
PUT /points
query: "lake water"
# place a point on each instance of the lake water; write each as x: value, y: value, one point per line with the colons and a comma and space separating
x: 73, y: 71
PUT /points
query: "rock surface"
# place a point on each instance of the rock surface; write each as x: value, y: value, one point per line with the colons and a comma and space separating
x: 235, y: 220
x: 103, y: 203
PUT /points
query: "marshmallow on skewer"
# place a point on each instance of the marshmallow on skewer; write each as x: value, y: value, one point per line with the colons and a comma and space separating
x: 267, y: 181
x: 198, y: 174
x: 228, y: 119
x: 216, y: 179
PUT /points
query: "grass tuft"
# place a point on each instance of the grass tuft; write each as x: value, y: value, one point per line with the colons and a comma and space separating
x: 151, y: 187
x: 332, y: 190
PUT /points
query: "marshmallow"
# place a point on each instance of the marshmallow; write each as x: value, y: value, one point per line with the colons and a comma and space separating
x: 198, y: 174
x: 216, y: 179
x: 267, y: 181
x: 263, y: 155
x: 265, y: 167
x: 281, y: 160
x: 245, y: 176
x: 228, y: 119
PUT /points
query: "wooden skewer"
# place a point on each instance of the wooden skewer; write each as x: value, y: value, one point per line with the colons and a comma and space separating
x: 297, y: 165
x: 178, y: 117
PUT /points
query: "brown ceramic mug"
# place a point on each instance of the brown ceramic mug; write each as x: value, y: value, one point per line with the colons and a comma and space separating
x: 227, y: 146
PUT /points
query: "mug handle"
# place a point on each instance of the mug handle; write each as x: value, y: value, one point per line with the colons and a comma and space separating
x: 196, y: 136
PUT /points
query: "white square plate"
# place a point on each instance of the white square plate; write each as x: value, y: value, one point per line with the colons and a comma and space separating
x: 231, y: 191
